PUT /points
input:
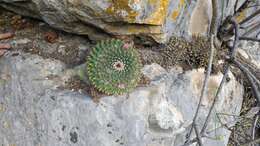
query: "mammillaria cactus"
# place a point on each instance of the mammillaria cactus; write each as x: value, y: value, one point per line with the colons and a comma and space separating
x: 113, y: 67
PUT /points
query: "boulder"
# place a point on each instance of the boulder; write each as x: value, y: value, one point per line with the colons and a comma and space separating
x: 149, y: 20
x: 35, y: 111
x: 156, y: 19
x: 251, y: 51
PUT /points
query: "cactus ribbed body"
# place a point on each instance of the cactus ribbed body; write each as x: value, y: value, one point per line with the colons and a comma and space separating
x: 113, y: 68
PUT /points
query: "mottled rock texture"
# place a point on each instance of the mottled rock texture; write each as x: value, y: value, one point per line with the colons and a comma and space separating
x: 157, y: 19
x: 99, y: 19
x: 35, y: 111
x: 252, y: 52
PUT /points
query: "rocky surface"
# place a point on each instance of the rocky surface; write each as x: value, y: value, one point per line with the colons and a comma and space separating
x: 93, y: 18
x: 81, y: 16
x: 143, y: 19
x: 156, y: 19
x: 38, y: 108
x: 35, y: 111
x: 251, y: 51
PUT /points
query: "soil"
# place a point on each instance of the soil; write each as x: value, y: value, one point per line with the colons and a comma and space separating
x: 39, y: 38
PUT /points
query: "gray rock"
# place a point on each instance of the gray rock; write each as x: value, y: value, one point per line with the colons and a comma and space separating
x: 157, y: 19
x: 35, y: 111
x: 251, y: 51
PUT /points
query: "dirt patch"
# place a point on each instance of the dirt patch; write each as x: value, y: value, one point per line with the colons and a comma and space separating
x: 76, y: 84
x: 36, y: 37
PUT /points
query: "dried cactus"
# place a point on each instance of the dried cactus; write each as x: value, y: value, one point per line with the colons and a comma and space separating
x: 113, y: 67
x: 193, y: 54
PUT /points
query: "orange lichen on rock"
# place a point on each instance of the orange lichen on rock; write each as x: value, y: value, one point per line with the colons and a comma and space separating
x: 128, y: 10
x: 154, y: 29
x: 159, y: 15
x: 119, y: 6
x: 182, y: 3
x: 241, y: 16
x: 176, y: 12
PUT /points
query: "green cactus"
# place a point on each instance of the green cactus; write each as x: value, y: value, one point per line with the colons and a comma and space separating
x: 113, y: 67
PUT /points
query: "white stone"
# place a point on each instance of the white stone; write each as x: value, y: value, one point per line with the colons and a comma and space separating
x: 152, y: 71
x: 156, y: 115
x: 252, y: 49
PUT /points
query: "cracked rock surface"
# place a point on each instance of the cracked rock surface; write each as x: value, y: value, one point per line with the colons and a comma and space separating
x: 154, y: 19
x: 35, y: 111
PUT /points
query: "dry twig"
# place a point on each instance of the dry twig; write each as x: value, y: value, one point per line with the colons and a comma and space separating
x: 205, y: 85
x: 231, y: 59
x: 250, y: 77
x: 226, y: 70
x: 249, y: 39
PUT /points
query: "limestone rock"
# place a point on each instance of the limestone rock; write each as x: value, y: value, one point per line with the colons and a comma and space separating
x: 251, y: 51
x: 157, y: 19
x: 35, y: 111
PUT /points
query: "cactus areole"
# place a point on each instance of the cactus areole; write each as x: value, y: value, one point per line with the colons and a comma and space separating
x: 113, y: 67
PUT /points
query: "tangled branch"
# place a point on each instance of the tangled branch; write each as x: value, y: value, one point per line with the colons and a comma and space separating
x: 229, y: 61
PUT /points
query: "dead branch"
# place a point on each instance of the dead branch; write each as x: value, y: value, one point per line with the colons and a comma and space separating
x: 235, y: 6
x: 252, y: 30
x: 242, y: 7
x: 214, y: 20
x: 253, y: 69
x: 249, y: 39
x: 254, y: 126
x: 227, y: 127
x: 233, y: 30
x: 257, y: 12
x: 226, y: 70
x: 250, y: 77
x: 6, y: 35
x: 251, y: 142
x: 198, y: 135
x: 205, y: 85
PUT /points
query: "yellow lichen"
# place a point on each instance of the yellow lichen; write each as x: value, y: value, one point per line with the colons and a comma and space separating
x: 176, y: 13
x: 182, y: 3
x: 241, y: 16
x: 152, y: 1
x: 119, y: 6
x: 6, y: 124
x: 2, y: 108
x: 158, y: 16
